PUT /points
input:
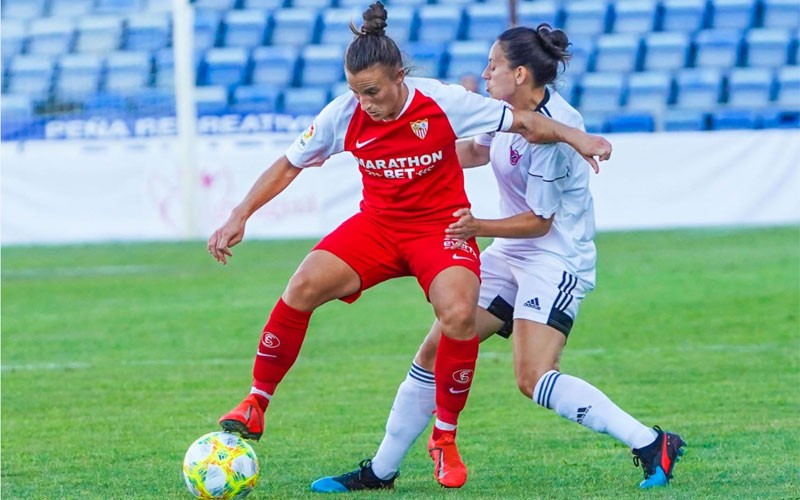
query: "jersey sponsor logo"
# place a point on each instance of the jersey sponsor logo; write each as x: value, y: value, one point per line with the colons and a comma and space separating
x: 305, y: 137
x: 454, y: 245
x: 403, y: 167
x: 360, y: 145
x: 463, y: 376
x: 270, y: 340
x: 513, y: 156
x: 420, y: 128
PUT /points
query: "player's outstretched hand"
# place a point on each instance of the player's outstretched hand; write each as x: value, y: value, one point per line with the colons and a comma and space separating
x: 594, y: 148
x: 228, y: 235
x: 465, y: 227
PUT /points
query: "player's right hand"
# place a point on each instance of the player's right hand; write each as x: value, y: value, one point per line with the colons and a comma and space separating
x: 221, y: 241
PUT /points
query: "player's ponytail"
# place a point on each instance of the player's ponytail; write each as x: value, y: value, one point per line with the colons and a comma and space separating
x: 540, y: 50
x: 371, y: 45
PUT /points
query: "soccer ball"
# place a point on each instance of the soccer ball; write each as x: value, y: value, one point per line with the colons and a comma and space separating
x: 220, y: 465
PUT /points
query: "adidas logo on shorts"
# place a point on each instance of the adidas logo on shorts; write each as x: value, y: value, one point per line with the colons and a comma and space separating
x: 533, y: 304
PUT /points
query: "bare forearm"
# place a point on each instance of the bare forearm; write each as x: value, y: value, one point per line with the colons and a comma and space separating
x: 524, y: 225
x: 269, y: 184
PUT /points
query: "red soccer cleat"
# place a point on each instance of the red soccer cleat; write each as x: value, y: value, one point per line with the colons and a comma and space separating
x: 247, y: 419
x: 448, y: 469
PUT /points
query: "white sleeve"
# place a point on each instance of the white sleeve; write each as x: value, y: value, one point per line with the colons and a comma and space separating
x: 325, y: 136
x: 469, y: 113
x: 549, y: 164
x: 484, y: 139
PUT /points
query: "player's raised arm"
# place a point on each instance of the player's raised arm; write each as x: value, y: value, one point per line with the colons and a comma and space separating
x: 537, y: 128
x: 269, y: 184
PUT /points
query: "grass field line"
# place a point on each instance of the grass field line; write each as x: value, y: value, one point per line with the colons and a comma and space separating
x: 45, y: 272
x: 49, y: 366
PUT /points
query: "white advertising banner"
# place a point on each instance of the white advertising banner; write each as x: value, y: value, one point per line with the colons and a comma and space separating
x: 132, y: 189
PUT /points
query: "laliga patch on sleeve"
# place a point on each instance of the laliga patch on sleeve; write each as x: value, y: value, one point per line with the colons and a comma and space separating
x: 305, y: 137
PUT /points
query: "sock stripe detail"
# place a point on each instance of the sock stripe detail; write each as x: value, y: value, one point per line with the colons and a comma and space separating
x: 421, y: 375
x: 546, y: 386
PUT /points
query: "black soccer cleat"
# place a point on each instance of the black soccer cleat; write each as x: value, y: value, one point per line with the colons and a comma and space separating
x: 658, y: 459
x: 362, y: 478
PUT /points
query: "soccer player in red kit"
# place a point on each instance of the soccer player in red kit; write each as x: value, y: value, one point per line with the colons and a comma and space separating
x: 402, y: 132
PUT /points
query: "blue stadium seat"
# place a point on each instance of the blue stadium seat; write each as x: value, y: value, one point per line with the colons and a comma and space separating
x: 683, y: 15
x: 23, y: 9
x: 732, y: 119
x: 105, y: 104
x: 275, y: 65
x: 127, y: 70
x: 781, y: 14
x: 211, y: 100
x: 698, y: 88
x: 206, y: 28
x: 244, y: 28
x: 620, y: 123
x: 594, y: 122
x: 767, y: 47
x: 218, y: 5
x: 779, y: 118
x: 733, y: 14
x: 263, y: 4
x: 304, y: 101
x: 70, y: 8
x: 582, y: 48
x: 426, y: 59
x: 617, y: 52
x: 225, y: 66
x: 30, y: 75
x: 567, y: 86
x: 157, y: 6
x: 294, y: 26
x: 393, y: 3
x: 665, y: 51
x: 123, y: 7
x: 587, y: 17
x: 532, y: 14
x: 13, y: 33
x: 152, y: 102
x: 314, y: 4
x: 78, y: 75
x: 321, y: 65
x: 788, y: 87
x: 16, y: 107
x: 685, y: 120
x: 794, y: 48
x: 164, y: 69
x: 749, y: 87
x: 50, y: 36
x: 649, y: 91
x: 98, y: 34
x: 635, y: 16
x: 484, y: 21
x: 148, y: 31
x: 717, y: 48
x: 467, y: 57
x: 335, y: 25
x: 601, y: 92
x: 256, y: 99
x: 402, y: 23
x: 439, y: 23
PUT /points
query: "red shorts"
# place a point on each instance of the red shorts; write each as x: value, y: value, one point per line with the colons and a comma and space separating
x: 379, y: 250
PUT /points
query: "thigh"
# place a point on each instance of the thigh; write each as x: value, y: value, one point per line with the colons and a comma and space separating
x: 547, y: 295
x: 428, y: 252
x: 497, y: 294
x: 368, y: 248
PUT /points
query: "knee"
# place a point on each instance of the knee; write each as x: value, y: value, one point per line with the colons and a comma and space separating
x: 458, y: 321
x: 303, y: 292
x: 527, y: 378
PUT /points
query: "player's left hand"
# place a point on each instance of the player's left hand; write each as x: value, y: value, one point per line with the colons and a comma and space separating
x: 465, y: 227
x: 593, y: 148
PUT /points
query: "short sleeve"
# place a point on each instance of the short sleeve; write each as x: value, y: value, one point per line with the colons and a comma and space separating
x: 325, y: 136
x: 549, y: 164
x: 484, y: 139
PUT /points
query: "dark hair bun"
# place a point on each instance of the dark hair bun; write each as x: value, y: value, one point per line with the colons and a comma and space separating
x: 554, y: 41
x: 374, y: 20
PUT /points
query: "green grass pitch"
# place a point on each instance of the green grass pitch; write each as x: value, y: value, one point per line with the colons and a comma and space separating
x: 116, y: 357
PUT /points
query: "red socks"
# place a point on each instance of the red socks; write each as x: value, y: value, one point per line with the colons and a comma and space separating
x: 279, y: 346
x: 453, y: 371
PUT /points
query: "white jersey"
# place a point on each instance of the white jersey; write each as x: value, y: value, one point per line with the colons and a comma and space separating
x: 550, y: 180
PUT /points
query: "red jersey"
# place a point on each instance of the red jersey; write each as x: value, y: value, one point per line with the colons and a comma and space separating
x: 409, y: 166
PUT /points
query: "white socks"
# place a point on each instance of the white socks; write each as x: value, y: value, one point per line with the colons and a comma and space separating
x: 583, y: 403
x: 411, y: 412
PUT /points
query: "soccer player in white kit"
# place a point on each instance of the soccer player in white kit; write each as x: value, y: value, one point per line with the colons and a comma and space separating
x: 533, y: 276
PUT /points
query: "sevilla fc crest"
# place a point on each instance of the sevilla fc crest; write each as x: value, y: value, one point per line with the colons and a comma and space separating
x: 420, y: 128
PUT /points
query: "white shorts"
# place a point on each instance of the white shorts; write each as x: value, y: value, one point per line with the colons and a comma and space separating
x: 533, y: 290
